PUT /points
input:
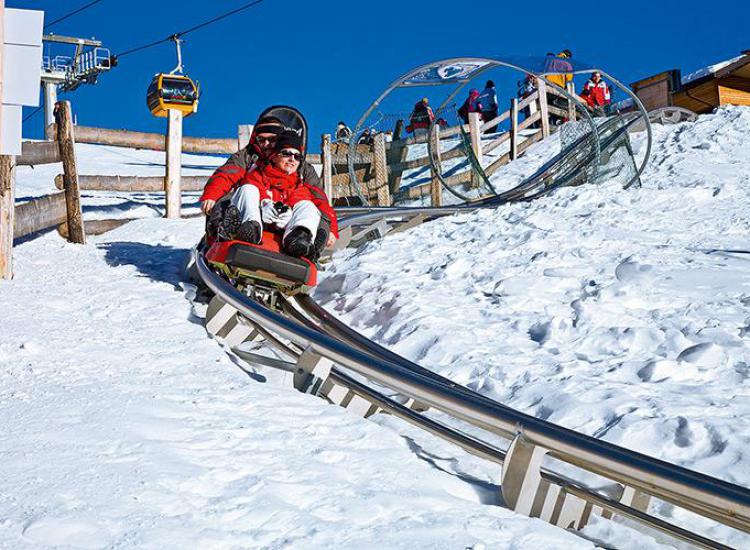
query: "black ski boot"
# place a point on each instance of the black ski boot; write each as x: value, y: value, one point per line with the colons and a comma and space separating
x: 299, y: 243
x: 321, y: 238
x: 249, y: 232
x: 230, y: 225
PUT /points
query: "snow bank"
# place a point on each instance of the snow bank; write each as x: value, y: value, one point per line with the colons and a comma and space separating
x: 623, y: 315
x: 124, y: 425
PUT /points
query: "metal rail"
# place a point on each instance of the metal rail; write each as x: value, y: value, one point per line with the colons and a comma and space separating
x: 713, y: 498
x: 323, y: 321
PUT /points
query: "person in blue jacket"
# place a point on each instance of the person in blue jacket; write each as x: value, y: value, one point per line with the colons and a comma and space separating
x: 488, y: 99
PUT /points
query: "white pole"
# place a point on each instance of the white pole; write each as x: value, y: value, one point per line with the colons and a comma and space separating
x: 174, y: 164
x: 50, y: 98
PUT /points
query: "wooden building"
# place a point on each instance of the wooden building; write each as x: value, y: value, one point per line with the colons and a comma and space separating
x: 702, y: 92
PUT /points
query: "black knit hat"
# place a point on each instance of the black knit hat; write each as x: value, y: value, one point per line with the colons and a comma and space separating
x: 268, y: 125
x: 289, y: 139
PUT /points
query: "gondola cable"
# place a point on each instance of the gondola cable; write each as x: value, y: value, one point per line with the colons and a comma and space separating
x: 180, y: 34
x: 71, y: 14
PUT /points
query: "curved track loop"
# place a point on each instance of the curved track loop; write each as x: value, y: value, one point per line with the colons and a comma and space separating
x: 311, y: 337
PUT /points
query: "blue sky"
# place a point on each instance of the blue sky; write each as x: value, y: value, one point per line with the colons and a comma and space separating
x: 332, y: 58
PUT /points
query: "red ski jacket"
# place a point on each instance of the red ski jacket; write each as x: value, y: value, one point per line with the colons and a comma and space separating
x: 596, y: 95
x: 290, y: 189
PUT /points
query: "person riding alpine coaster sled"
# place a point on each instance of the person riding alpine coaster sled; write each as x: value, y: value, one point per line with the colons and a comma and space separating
x: 275, y: 196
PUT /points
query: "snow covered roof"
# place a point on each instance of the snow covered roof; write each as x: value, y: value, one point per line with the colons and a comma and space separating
x: 713, y: 69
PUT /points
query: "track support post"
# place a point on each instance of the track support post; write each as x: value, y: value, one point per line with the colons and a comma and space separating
x: 224, y: 322
x: 525, y: 492
x: 311, y: 372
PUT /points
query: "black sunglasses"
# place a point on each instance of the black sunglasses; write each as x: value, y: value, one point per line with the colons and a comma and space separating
x: 291, y: 154
x: 264, y: 139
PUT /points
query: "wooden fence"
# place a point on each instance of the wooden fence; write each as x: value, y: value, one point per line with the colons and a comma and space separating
x: 380, y: 167
x: 56, y: 209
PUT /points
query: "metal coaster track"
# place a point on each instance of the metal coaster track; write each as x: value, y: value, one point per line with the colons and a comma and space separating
x: 329, y: 359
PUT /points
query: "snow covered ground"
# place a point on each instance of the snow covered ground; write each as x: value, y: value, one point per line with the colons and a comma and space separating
x: 623, y: 315
x: 103, y: 160
x: 618, y: 314
x: 124, y: 425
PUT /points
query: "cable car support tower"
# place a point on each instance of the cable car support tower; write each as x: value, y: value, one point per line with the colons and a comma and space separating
x: 67, y: 72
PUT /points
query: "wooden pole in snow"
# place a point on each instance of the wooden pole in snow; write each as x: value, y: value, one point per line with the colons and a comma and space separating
x: 436, y: 188
x: 543, y: 111
x: 380, y: 167
x: 7, y: 205
x: 327, y: 162
x: 475, y: 135
x: 174, y: 164
x: 66, y: 143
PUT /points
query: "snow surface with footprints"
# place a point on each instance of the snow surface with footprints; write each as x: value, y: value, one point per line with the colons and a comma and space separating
x: 619, y: 314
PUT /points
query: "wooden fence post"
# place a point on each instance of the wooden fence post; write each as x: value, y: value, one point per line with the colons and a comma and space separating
x: 571, y: 88
x: 436, y: 189
x: 380, y: 167
x: 174, y: 164
x: 66, y: 143
x: 513, y: 153
x: 7, y: 211
x: 543, y: 111
x: 244, y: 131
x: 475, y: 135
x: 327, y: 161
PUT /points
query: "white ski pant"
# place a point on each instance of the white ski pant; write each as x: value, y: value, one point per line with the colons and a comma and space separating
x: 304, y: 214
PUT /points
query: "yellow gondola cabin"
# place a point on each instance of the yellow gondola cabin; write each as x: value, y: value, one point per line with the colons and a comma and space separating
x: 172, y: 91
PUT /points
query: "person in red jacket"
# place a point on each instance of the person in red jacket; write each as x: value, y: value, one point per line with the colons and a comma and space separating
x: 277, y: 197
x: 257, y: 151
x: 596, y: 92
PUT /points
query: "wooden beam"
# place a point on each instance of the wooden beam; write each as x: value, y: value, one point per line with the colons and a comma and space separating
x: 528, y: 100
x: 66, y: 143
x: 529, y: 121
x: 152, y: 141
x: 7, y: 212
x: 174, y: 164
x: 495, y: 121
x: 497, y: 142
x: 96, y: 227
x: 436, y: 188
x: 380, y: 167
x: 543, y: 107
x: 571, y: 88
x: 39, y: 214
x: 475, y: 136
x: 35, y: 153
x: 133, y: 184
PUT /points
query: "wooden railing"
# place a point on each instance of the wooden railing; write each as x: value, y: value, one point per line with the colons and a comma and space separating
x: 62, y: 208
x: 518, y: 136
